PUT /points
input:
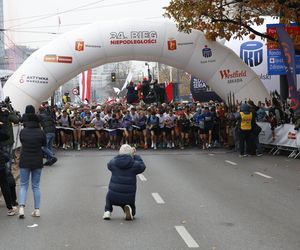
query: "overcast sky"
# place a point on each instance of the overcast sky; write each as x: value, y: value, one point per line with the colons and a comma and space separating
x: 33, y: 22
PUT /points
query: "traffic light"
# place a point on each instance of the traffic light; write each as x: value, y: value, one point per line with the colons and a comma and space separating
x: 113, y: 77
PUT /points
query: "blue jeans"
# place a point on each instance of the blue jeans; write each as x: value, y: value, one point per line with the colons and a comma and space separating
x: 48, y: 149
x: 35, y: 185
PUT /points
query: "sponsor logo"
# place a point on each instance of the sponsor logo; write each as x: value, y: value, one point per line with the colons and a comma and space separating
x: 198, y: 85
x: 58, y: 59
x: 133, y: 37
x: 33, y: 79
x: 252, y: 53
x: 233, y: 77
x: 80, y: 46
x: 292, y: 136
x: 172, y: 45
x: 264, y: 76
x: 206, y: 52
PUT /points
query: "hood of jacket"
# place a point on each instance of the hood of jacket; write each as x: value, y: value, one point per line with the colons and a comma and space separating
x: 122, y: 161
x: 245, y: 108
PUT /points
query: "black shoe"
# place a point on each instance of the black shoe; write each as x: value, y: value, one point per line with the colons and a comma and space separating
x: 52, y: 161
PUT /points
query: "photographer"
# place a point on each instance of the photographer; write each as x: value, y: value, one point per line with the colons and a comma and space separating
x: 8, y: 117
x: 4, y: 184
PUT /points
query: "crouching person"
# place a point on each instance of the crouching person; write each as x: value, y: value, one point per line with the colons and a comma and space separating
x: 122, y: 186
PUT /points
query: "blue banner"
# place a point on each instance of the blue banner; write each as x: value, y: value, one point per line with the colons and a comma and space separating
x: 276, y: 65
x: 288, y: 50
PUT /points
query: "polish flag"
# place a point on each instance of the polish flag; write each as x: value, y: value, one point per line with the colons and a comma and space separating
x: 169, y: 91
x: 85, y: 84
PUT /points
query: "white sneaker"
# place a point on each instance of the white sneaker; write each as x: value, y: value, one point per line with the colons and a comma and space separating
x: 36, y: 213
x: 106, y: 215
x: 64, y: 146
x: 78, y: 147
x: 128, y: 213
x: 152, y: 145
x: 21, y: 212
x: 13, y: 211
x: 173, y: 145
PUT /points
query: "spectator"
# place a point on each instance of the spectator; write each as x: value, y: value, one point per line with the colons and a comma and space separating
x: 31, y: 161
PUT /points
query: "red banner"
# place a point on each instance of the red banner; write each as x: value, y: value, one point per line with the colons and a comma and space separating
x: 85, y: 90
x: 169, y: 91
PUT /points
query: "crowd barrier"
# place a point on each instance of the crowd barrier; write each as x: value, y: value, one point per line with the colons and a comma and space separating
x: 286, y: 138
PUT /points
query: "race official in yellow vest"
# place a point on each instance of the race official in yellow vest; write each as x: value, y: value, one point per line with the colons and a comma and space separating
x: 246, y: 122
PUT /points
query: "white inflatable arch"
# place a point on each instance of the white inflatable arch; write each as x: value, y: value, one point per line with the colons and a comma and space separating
x: 113, y: 41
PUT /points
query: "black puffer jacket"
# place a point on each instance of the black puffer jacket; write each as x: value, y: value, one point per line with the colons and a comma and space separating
x: 122, y: 185
x: 32, y: 139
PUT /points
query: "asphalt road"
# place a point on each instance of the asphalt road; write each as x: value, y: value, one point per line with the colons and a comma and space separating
x: 185, y: 199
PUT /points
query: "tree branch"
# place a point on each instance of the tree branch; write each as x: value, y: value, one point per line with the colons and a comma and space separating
x: 245, y: 26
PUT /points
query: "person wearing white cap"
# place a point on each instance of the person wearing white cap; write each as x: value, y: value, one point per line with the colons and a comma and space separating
x: 122, y: 186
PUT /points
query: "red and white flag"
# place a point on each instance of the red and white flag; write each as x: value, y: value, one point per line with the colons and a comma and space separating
x: 169, y: 91
x: 85, y: 79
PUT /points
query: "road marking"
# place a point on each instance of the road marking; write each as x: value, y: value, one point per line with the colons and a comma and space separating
x: 188, y: 239
x: 263, y: 175
x: 231, y: 162
x: 157, y: 198
x: 142, y: 177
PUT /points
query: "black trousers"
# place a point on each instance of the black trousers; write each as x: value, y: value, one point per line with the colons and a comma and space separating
x: 5, y: 188
x: 245, y: 137
x: 110, y: 203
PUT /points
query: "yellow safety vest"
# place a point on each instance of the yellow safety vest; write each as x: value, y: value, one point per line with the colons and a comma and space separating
x: 246, y: 121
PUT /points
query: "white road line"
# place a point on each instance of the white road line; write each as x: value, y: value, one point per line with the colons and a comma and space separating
x: 263, y: 175
x: 142, y: 177
x: 157, y: 198
x: 231, y: 162
x: 188, y: 239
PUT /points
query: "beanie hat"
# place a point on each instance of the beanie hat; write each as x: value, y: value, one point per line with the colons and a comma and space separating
x: 126, y: 150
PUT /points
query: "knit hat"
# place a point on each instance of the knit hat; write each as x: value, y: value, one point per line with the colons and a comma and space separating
x: 126, y: 150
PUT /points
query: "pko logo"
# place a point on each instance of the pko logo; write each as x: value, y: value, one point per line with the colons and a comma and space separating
x: 252, y: 53
x: 206, y: 51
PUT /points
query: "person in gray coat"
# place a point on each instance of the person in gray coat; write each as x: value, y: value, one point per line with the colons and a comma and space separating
x: 122, y: 186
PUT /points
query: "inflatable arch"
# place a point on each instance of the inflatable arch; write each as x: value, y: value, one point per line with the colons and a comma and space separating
x: 114, y: 41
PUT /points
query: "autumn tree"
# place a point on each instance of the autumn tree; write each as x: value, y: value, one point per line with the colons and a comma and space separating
x: 230, y: 18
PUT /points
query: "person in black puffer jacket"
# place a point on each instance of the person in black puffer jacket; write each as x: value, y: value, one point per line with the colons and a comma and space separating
x: 122, y: 186
x: 31, y: 161
x: 48, y: 124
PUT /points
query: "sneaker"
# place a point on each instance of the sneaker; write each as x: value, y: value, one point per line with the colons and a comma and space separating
x: 64, y: 146
x: 106, y: 215
x: 99, y: 148
x: 154, y: 147
x: 259, y: 154
x: 78, y: 147
x: 128, y: 213
x: 169, y: 145
x: 36, y: 213
x: 173, y: 145
x: 21, y: 212
x: 13, y: 211
x: 52, y: 161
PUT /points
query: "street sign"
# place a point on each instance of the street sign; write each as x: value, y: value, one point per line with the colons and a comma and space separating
x: 75, y: 91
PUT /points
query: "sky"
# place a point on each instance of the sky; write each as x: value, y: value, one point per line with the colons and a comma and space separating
x: 34, y: 23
